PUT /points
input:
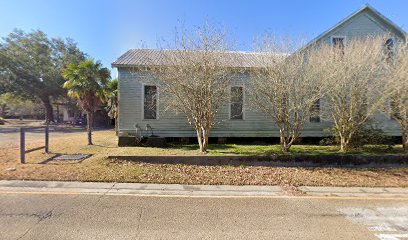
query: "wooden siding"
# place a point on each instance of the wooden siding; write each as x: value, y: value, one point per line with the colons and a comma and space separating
x: 255, y: 124
x: 170, y: 124
x: 361, y: 25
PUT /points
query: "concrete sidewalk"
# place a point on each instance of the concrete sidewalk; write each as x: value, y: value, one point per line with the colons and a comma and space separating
x: 138, y: 188
x: 10, y: 186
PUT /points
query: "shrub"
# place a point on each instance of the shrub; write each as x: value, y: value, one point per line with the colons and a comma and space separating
x: 368, y: 134
x: 328, y: 141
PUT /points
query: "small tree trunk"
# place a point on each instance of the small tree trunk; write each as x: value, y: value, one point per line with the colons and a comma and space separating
x: 49, y: 113
x: 283, y: 144
x: 89, y: 119
x: 202, y: 137
x: 199, y: 139
x: 205, y: 141
x: 343, y: 144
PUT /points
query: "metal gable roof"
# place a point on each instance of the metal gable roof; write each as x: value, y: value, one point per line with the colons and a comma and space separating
x: 158, y: 57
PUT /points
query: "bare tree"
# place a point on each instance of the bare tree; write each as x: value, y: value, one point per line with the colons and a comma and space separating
x: 194, y: 77
x: 353, y: 72
x: 284, y: 86
x: 396, y: 78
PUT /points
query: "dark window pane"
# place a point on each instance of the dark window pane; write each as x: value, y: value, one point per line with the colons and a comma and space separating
x: 389, y: 44
x: 236, y: 102
x: 150, y: 102
x: 315, y: 112
x: 338, y: 43
x: 389, y: 49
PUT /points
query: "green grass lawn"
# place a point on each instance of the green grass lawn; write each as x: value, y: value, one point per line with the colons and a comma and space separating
x: 237, y: 149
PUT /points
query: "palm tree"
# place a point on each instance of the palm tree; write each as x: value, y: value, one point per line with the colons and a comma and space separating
x: 86, y: 82
x: 112, y: 101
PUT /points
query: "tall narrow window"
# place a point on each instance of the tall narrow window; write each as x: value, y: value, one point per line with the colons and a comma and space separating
x: 150, y: 102
x: 389, y: 49
x: 237, y: 100
x: 315, y: 112
x: 338, y: 44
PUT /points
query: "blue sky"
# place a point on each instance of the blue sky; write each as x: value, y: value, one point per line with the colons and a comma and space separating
x: 107, y: 28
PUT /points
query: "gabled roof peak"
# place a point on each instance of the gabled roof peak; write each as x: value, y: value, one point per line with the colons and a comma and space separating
x: 366, y: 7
x: 388, y: 21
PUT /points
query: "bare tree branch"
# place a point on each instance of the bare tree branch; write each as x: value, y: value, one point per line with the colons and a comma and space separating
x: 285, y: 86
x: 356, y: 89
x: 195, y: 77
x: 396, y: 79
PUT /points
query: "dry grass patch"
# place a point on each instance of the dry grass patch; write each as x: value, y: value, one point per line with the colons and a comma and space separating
x: 99, y: 168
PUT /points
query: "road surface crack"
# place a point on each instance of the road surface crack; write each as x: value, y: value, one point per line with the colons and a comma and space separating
x: 139, y: 219
x: 41, y: 217
x: 104, y: 193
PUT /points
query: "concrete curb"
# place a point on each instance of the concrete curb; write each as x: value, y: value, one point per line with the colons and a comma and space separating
x: 138, y: 188
x: 102, y: 188
x: 355, y: 191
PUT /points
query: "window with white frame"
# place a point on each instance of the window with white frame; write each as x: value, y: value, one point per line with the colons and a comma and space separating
x: 150, y: 102
x: 237, y: 102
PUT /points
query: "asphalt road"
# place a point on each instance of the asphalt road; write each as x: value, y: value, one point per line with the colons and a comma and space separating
x: 87, y: 216
x: 10, y: 135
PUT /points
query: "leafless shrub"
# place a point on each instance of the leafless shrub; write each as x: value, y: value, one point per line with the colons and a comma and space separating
x: 356, y: 87
x: 396, y: 79
x: 285, y: 87
x: 194, y: 77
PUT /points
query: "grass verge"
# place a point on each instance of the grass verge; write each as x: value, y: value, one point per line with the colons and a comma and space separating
x: 99, y: 168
